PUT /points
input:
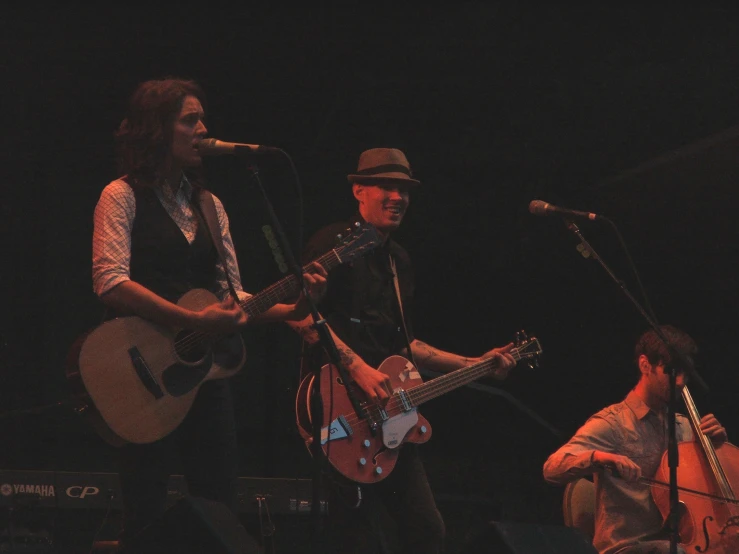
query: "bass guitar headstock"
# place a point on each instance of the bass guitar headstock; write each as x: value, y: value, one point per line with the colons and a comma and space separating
x: 527, y: 349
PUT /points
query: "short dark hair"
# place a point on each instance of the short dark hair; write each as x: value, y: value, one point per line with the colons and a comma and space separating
x: 144, y: 136
x: 656, y: 351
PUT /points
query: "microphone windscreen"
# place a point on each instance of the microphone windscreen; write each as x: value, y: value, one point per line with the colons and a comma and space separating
x: 538, y: 207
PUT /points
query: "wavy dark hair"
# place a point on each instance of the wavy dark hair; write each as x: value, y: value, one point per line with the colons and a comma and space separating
x: 144, y: 137
x: 656, y: 351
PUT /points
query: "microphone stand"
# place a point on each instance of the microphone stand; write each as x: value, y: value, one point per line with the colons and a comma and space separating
x: 684, y: 362
x: 316, y: 402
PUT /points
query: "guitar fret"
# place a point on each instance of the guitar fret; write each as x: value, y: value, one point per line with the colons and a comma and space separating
x: 441, y: 385
x: 261, y: 302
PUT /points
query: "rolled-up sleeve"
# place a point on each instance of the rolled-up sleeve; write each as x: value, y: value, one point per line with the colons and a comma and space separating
x: 232, y: 265
x: 575, y: 458
x: 111, y: 238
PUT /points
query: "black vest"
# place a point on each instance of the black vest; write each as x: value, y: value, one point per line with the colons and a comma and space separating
x: 161, y: 258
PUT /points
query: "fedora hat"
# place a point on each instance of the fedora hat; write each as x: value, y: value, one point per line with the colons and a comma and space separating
x: 378, y: 166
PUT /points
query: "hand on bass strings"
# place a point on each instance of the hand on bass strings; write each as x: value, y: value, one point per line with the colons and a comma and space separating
x: 503, y: 361
x: 375, y: 384
x: 711, y: 427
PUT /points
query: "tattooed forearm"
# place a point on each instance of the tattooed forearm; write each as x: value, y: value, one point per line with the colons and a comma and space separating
x: 346, y: 356
x: 429, y: 357
x: 423, y: 350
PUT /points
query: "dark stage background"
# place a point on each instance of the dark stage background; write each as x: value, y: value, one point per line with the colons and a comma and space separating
x: 628, y: 112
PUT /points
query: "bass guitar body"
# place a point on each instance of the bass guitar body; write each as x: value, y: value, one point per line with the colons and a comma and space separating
x: 362, y: 444
x: 363, y: 448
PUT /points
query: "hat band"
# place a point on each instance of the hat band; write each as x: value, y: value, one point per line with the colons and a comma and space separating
x: 388, y: 168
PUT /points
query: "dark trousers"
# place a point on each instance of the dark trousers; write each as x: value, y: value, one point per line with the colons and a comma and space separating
x: 207, y: 449
x: 398, y: 514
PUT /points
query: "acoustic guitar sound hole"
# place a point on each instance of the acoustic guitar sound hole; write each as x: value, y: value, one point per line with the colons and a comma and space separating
x: 190, y: 347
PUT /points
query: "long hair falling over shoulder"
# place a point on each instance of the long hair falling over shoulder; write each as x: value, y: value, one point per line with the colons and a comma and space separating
x: 144, y: 137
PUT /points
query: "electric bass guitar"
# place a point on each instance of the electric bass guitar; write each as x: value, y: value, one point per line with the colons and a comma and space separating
x: 364, y: 447
x: 136, y: 380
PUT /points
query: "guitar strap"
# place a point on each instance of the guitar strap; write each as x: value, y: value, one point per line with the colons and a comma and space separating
x: 402, y: 315
x: 359, y: 277
x: 205, y: 208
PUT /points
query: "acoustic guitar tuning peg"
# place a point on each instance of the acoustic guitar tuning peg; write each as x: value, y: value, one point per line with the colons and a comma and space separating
x: 342, y: 237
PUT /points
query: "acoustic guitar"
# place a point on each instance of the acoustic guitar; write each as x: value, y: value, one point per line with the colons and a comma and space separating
x: 135, y: 380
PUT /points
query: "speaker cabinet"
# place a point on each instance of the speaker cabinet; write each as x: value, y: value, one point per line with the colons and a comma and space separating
x: 522, y: 538
x: 194, y: 525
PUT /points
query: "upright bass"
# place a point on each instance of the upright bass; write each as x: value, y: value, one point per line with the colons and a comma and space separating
x: 709, y: 478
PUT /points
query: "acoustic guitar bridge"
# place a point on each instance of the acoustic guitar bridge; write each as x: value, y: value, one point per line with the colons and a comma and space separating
x: 144, y: 373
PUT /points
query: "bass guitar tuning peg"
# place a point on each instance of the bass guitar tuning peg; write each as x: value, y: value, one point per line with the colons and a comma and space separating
x: 521, y: 339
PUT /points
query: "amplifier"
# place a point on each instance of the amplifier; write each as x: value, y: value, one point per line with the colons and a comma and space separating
x: 85, y: 490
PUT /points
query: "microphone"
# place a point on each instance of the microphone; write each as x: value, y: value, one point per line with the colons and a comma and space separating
x: 214, y: 147
x: 539, y: 207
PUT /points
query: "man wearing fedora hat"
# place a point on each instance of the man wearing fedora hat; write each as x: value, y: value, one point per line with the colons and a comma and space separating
x: 367, y: 309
